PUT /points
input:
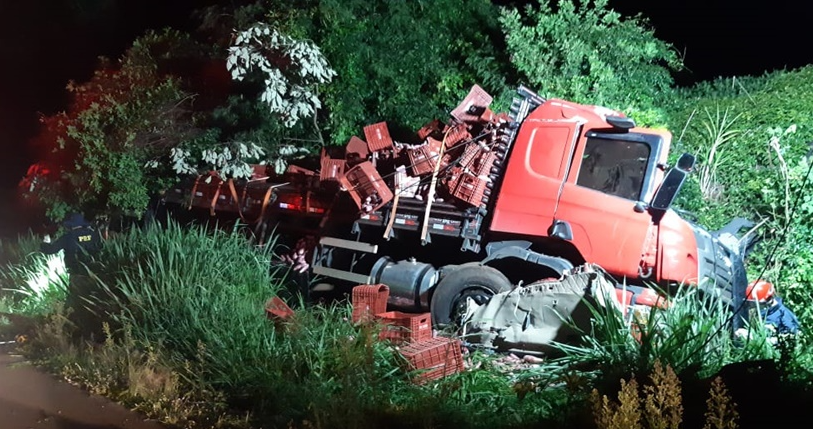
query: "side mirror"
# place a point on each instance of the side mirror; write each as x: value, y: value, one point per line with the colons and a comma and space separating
x: 672, y: 182
x: 686, y: 162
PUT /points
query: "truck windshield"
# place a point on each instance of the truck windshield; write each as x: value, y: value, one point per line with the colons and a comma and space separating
x: 615, y: 167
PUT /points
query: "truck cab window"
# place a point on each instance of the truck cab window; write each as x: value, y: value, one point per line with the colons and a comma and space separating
x: 615, y: 167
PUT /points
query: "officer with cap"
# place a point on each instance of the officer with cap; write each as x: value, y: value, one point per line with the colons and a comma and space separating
x: 80, y: 239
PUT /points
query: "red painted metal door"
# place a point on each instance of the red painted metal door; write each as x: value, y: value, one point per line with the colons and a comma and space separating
x: 606, y: 227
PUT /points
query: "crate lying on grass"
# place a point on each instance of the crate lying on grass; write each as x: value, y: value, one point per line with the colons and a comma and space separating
x: 278, y: 311
x: 369, y: 300
x: 404, y: 328
x: 434, y: 358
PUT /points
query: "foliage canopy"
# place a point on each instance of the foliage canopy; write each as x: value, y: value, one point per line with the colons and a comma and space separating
x: 588, y: 53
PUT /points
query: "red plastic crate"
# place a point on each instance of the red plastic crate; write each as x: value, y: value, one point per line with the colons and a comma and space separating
x: 459, y: 133
x: 469, y: 188
x: 278, y: 311
x: 260, y: 171
x: 378, y: 137
x: 433, y: 127
x: 481, y: 165
x: 356, y: 150
x: 332, y: 169
x: 433, y: 358
x: 473, y: 106
x: 423, y: 158
x: 477, y: 160
x: 404, y: 328
x: 470, y: 152
x: 488, y: 116
x: 363, y: 181
x: 369, y: 300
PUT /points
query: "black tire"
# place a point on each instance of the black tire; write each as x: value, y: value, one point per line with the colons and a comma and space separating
x: 477, y: 282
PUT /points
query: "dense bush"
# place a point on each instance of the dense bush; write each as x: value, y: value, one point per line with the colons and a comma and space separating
x: 752, y: 137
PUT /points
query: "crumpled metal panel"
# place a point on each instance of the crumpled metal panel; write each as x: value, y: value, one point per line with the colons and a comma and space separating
x: 529, y: 318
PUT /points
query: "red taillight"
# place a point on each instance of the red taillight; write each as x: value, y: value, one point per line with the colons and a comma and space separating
x: 289, y: 206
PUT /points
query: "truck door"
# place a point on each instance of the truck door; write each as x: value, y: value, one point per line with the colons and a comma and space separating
x: 610, y: 175
x: 592, y: 183
x: 536, y: 168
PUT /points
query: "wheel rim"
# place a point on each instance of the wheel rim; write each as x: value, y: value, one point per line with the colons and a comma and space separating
x: 479, y: 294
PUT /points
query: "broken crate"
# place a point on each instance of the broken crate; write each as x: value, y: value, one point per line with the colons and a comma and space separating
x: 434, y: 358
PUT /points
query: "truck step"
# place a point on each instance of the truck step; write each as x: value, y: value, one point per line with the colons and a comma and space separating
x: 341, y: 274
x: 349, y: 244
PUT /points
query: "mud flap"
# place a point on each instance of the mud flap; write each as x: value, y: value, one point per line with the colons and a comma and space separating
x: 531, y: 317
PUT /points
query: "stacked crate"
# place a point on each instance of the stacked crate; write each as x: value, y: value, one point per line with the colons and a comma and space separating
x: 457, y: 134
x: 369, y: 300
x: 427, y: 357
x: 470, y: 181
x: 470, y: 189
x: 404, y: 328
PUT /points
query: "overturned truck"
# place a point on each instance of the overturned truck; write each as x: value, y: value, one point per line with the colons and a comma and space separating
x: 471, y: 207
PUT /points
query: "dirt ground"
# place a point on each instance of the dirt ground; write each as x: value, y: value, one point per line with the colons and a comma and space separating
x: 33, y: 399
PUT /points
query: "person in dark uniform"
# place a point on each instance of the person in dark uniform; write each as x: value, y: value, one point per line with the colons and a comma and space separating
x: 779, y: 320
x: 772, y: 310
x: 78, y: 242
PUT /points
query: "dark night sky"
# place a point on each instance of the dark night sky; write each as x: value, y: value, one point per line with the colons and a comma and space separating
x: 45, y: 43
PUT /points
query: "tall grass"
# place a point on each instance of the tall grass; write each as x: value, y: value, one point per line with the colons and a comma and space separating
x: 184, y: 321
x: 200, y: 295
x: 692, y: 335
x: 186, y: 286
x: 30, y: 281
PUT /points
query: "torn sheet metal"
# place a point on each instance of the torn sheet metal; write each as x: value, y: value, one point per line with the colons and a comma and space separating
x: 529, y: 318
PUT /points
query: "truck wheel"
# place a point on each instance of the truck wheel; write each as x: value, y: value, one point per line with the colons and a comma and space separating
x: 479, y: 283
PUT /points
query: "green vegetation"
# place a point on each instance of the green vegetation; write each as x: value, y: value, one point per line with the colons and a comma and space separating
x: 588, y: 53
x: 32, y: 282
x: 752, y: 136
x: 94, y: 153
x: 180, y: 334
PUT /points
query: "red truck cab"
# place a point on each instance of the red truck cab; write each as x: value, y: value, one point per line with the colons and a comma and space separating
x: 575, y: 176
